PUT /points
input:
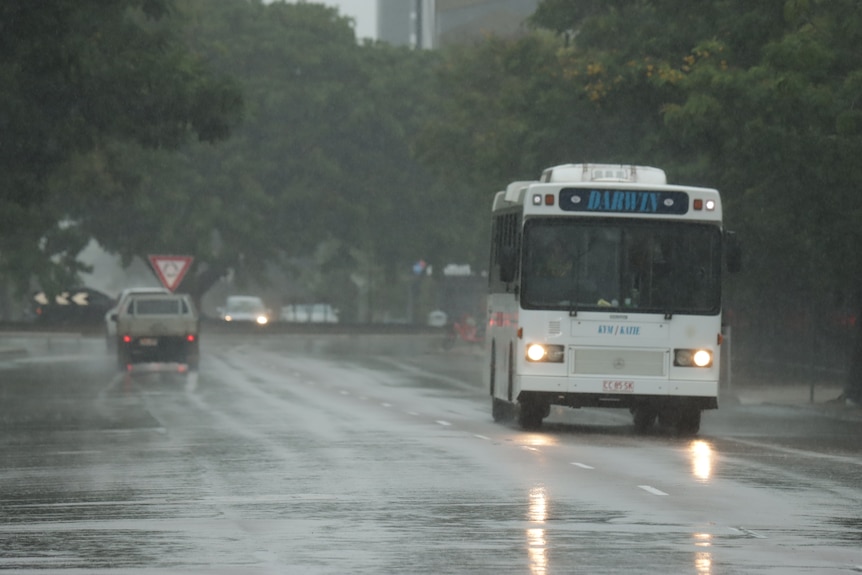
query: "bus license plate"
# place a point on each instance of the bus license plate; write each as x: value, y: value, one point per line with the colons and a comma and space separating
x: 148, y: 341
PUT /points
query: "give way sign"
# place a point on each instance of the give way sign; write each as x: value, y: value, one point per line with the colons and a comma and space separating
x: 171, y: 269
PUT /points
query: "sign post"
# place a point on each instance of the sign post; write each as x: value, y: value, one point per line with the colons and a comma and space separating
x: 171, y: 269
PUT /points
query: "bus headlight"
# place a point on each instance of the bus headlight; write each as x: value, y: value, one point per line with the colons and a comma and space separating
x: 545, y: 352
x: 692, y: 357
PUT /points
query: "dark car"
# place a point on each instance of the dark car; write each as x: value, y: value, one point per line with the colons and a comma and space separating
x: 76, y: 307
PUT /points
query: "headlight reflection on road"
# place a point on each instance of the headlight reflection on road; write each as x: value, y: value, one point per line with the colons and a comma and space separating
x: 537, y: 544
x: 701, y: 459
x: 703, y: 559
x: 537, y: 440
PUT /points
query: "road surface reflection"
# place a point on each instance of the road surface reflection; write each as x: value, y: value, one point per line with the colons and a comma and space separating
x: 537, y: 544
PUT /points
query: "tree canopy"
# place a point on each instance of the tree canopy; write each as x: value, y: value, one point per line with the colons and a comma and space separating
x: 78, y: 73
x: 116, y: 117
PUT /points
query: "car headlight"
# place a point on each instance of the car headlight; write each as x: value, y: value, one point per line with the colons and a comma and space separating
x: 545, y: 353
x: 692, y: 358
x: 227, y: 318
x: 262, y: 319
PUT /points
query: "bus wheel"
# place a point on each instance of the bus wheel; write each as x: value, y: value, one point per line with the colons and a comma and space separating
x: 688, y: 422
x: 530, y: 415
x: 644, y: 417
x: 501, y: 410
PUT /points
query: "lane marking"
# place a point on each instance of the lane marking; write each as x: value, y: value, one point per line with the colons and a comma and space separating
x: 749, y: 532
x: 582, y: 465
x: 651, y: 489
x: 481, y: 437
x: 442, y: 422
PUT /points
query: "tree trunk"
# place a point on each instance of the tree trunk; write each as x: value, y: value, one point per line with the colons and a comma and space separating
x: 198, y: 284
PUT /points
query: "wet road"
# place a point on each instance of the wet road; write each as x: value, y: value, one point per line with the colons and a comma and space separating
x: 370, y: 456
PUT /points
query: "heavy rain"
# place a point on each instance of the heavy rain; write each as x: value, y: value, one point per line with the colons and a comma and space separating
x: 276, y: 297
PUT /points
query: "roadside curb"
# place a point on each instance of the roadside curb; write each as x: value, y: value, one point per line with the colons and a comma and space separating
x: 836, y: 406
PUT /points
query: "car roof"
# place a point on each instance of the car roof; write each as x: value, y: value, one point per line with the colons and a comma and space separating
x: 156, y: 295
x: 136, y: 290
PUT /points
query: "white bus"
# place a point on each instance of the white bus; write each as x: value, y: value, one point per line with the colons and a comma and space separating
x: 605, y: 291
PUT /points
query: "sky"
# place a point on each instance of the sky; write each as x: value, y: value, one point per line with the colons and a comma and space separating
x: 364, y: 12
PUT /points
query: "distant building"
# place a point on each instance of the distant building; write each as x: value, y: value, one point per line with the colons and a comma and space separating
x: 436, y: 23
x: 395, y: 21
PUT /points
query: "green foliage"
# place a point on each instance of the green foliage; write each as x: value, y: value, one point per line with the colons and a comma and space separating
x: 76, y: 74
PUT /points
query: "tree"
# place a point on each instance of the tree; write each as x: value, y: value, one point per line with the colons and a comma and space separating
x: 78, y: 73
x: 323, y: 155
x: 759, y: 100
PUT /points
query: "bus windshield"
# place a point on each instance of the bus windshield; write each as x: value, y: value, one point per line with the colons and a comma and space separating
x: 624, y: 264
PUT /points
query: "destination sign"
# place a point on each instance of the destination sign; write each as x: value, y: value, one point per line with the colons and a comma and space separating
x: 624, y: 201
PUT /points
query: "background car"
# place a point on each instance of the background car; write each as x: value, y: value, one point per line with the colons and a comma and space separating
x: 245, y: 308
x: 309, y: 313
x: 110, y: 324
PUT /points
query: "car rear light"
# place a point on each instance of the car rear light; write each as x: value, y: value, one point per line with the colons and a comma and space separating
x: 191, y: 338
x: 127, y: 339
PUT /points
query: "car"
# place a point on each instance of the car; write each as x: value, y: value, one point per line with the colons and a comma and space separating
x: 110, y: 325
x: 157, y: 327
x: 80, y: 307
x: 245, y: 308
x: 309, y: 313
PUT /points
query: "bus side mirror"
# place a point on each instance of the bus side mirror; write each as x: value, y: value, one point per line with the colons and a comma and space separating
x: 732, y: 252
x: 508, y: 264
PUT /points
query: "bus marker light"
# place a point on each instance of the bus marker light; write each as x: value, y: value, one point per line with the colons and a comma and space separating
x: 710, y: 205
x: 549, y: 199
x: 537, y: 199
x: 698, y: 204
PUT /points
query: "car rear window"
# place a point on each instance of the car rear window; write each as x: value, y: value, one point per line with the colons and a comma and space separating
x: 158, y: 307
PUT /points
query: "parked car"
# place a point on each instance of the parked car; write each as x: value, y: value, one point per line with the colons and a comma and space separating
x: 245, y: 308
x: 309, y: 313
x: 111, y: 325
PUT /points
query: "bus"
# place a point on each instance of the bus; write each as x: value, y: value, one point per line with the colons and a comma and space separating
x: 605, y: 291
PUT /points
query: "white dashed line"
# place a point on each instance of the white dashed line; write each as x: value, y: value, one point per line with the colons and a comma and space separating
x: 582, y: 465
x: 653, y: 490
x: 482, y: 437
x: 749, y: 532
x: 441, y: 422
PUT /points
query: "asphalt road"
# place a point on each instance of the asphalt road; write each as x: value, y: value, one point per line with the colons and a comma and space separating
x: 368, y: 454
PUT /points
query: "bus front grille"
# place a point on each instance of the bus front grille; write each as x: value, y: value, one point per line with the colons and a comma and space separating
x: 623, y: 362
